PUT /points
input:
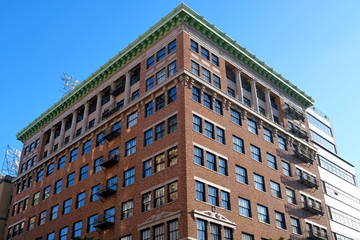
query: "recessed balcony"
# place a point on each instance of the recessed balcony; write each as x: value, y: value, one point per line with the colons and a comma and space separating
x: 108, y: 112
x: 118, y: 88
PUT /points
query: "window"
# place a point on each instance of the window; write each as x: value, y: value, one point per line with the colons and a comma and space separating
x: 320, y: 125
x: 160, y: 162
x: 84, y: 172
x: 150, y: 62
x: 271, y: 161
x: 160, y: 102
x: 97, y: 165
x: 70, y: 179
x: 208, y: 100
x: 241, y: 174
x: 135, y: 94
x: 295, y: 225
x: 46, y: 192
x: 80, y: 200
x: 244, y: 207
x: 275, y: 189
x: 146, y: 202
x: 195, y: 68
x: 94, y: 191
x: 172, y: 156
x: 173, y: 230
x: 172, y: 92
x: 149, y: 109
x: 220, y: 135
x: 213, y: 198
x: 67, y: 206
x: 341, y: 195
x: 61, y: 162
x: 262, y: 111
x: 40, y: 175
x: 215, y: 59
x: 198, y: 156
x: 225, y: 200
x: 194, y: 46
x: 172, y: 46
x: 148, y: 137
x: 246, y: 236
x: 238, y: 144
x: 200, y: 191
x: 128, y: 237
x: 50, y: 169
x: 86, y: 147
x: 54, y: 212
x: 147, y: 168
x: 280, y: 220
x: 263, y: 214
x: 197, y: 124
x: 159, y: 199
x: 344, y: 219
x: 172, y: 191
x: 235, y: 116
x: 268, y: 135
x: 145, y: 234
x: 77, y: 229
x: 205, y: 53
x: 206, y: 75
x: 159, y: 232
x: 259, y: 182
x: 338, y: 236
x: 132, y: 119
x: 286, y: 168
x: 159, y: 131
x: 149, y: 83
x: 160, y: 76
x: 223, y: 166
x: 290, y: 194
x: 73, y: 154
x: 209, y: 130
x: 196, y: 95
x: 92, y: 220
x: 130, y: 147
x: 172, y: 124
x: 129, y: 177
x: 201, y: 229
x: 109, y: 214
x: 214, y: 231
x: 282, y: 143
x: 216, y: 81
x: 172, y: 68
x: 51, y: 236
x: 63, y: 233
x: 252, y: 126
x: 231, y: 91
x: 336, y: 170
x: 127, y: 210
x: 31, y: 224
x: 210, y: 161
x: 218, y: 107
x: 160, y: 54
x: 255, y: 153
x: 58, y: 186
x: 36, y: 198
x: 42, y: 218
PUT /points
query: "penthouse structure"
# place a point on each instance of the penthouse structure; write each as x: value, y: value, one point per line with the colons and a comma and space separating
x: 182, y: 135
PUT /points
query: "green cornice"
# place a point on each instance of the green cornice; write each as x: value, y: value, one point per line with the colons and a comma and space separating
x: 180, y: 14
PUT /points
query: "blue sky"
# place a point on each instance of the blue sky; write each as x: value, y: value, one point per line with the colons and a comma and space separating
x: 314, y: 44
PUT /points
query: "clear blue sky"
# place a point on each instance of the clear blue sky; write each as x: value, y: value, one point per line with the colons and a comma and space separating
x: 314, y: 44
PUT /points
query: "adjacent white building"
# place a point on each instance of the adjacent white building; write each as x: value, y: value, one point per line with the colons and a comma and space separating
x: 342, y: 195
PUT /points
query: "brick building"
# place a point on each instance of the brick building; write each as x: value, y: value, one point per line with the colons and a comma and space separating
x: 182, y: 135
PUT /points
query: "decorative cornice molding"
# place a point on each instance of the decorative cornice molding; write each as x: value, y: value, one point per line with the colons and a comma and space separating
x: 181, y: 14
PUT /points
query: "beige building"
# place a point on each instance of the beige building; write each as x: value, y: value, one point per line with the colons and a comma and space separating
x: 6, y: 190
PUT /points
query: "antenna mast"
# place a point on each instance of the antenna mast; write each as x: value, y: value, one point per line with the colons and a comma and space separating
x: 70, y: 82
x: 11, y: 162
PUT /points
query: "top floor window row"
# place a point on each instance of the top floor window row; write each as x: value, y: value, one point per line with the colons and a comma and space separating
x: 205, y: 53
x: 32, y: 146
x: 161, y: 54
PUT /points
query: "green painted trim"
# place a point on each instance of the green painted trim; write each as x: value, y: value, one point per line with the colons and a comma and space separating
x: 182, y: 13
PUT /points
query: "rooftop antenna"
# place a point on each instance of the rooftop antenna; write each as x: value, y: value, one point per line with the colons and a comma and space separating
x: 11, y: 162
x: 70, y: 82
